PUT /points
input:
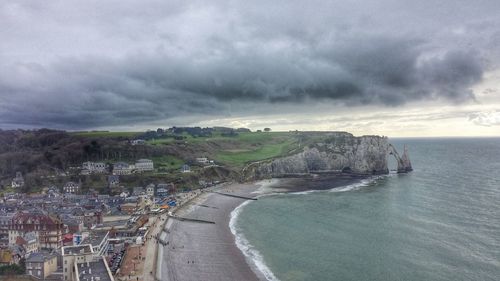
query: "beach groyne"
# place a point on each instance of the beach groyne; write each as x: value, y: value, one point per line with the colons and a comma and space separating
x: 235, y: 195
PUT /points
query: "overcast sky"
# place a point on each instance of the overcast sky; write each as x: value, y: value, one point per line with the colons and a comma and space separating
x: 389, y: 67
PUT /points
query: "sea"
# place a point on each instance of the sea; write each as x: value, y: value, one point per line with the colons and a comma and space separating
x: 439, y: 222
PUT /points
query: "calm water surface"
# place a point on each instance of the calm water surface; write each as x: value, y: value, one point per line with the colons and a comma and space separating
x: 440, y: 222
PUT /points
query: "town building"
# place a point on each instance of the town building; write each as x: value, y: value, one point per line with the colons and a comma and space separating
x: 138, y: 190
x: 5, y: 222
x: 92, y: 218
x: 96, y: 270
x: 124, y: 194
x: 202, y: 160
x: 162, y: 192
x: 6, y: 257
x: 129, y: 208
x: 50, y: 229
x: 150, y: 190
x: 137, y: 142
x: 71, y: 187
x: 143, y: 165
x: 113, y: 180
x: 170, y: 187
x: 122, y: 168
x: 74, y: 225
x: 185, y: 168
x: 18, y: 181
x: 93, y: 168
x: 29, y: 241
x: 99, y: 241
x: 41, y: 265
x: 72, y: 256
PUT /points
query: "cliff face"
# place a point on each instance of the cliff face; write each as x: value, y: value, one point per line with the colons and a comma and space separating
x: 334, y: 152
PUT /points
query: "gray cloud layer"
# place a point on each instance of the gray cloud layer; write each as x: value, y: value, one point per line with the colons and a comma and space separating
x: 118, y: 63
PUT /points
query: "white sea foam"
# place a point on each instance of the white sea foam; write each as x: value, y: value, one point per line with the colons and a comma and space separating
x: 354, y: 186
x: 305, y: 192
x: 248, y: 250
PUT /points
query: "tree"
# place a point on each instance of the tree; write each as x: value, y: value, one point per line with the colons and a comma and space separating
x: 267, y: 129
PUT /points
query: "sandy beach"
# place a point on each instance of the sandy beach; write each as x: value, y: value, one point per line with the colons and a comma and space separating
x: 205, y: 251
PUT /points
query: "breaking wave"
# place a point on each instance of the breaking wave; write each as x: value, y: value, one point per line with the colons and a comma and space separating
x: 248, y: 250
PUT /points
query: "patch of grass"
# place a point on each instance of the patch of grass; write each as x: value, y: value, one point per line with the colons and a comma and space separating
x: 160, y: 141
x: 167, y: 162
x: 7, y: 189
x: 265, y: 151
x: 106, y: 134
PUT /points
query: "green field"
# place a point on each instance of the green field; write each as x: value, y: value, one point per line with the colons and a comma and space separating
x: 256, y: 147
x: 100, y: 134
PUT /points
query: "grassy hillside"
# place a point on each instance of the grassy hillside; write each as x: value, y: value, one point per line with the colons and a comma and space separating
x: 47, y: 157
x: 105, y: 134
x: 254, y: 147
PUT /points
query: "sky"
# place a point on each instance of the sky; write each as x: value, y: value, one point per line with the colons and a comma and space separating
x: 388, y: 67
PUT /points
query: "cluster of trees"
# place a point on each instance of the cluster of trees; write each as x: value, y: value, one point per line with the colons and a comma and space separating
x: 13, y: 269
x: 178, y: 132
x: 38, y: 153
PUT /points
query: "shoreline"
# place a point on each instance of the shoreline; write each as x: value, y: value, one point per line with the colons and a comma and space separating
x: 204, y: 251
x: 200, y: 251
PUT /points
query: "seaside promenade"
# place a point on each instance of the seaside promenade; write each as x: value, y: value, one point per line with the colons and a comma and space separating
x: 140, y: 263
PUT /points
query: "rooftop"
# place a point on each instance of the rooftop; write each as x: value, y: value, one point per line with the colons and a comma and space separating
x: 40, y: 257
x: 75, y: 250
x: 95, y: 238
x: 94, y: 271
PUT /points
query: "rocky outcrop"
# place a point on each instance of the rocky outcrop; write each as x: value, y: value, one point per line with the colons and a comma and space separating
x: 405, y: 158
x: 333, y: 152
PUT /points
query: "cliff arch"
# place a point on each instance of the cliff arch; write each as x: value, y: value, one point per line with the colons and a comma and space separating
x: 404, y: 164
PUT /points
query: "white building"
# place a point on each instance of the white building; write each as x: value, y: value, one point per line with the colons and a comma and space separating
x: 138, y: 142
x: 150, y: 190
x: 93, y: 168
x: 29, y: 241
x: 142, y: 165
x: 122, y: 168
x: 72, y: 256
x: 202, y: 160
x: 99, y: 242
x: 71, y: 187
x: 18, y: 181
x: 185, y: 168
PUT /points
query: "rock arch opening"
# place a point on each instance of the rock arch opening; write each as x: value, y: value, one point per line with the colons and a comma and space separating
x: 403, y: 164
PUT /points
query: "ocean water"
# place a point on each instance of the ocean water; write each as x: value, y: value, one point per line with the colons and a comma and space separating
x: 440, y: 222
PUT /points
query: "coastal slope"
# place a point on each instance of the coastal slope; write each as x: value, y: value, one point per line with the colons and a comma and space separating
x: 328, y: 152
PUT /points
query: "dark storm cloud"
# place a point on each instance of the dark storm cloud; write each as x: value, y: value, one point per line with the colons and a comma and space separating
x: 178, y: 60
